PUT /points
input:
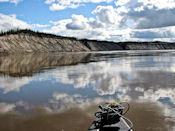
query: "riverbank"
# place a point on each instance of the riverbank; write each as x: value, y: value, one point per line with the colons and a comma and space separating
x: 24, y: 41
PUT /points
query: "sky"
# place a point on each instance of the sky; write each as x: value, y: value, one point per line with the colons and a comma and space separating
x: 112, y: 20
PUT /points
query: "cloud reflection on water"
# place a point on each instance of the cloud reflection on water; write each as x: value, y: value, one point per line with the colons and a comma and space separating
x: 136, y: 79
x: 132, y: 78
x: 9, y: 84
x: 123, y: 76
x: 62, y: 101
x: 4, y: 107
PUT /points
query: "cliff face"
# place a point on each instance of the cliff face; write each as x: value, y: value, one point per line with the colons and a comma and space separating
x: 32, y: 42
x: 149, y: 46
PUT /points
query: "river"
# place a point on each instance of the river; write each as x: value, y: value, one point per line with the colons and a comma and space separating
x: 61, y: 91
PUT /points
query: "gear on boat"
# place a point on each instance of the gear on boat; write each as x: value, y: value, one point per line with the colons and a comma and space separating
x: 110, y: 118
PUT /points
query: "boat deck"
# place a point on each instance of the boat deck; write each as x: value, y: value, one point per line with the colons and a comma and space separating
x: 120, y: 126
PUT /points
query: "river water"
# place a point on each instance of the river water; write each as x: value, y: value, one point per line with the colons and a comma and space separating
x: 61, y: 91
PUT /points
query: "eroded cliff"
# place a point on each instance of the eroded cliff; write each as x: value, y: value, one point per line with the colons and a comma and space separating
x: 29, y: 41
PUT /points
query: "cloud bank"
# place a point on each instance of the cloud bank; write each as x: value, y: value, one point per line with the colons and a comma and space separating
x: 8, y: 22
x: 121, y: 20
x: 137, y: 20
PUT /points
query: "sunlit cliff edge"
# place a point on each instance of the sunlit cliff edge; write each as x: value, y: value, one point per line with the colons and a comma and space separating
x: 21, y: 41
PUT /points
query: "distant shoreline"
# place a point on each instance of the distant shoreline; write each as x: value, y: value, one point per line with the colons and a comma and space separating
x: 26, y: 41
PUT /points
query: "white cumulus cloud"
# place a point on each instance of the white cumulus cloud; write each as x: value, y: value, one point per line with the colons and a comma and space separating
x: 149, y: 13
x: 157, y: 34
x: 11, y: 22
x: 130, y: 20
x: 79, y: 22
x: 159, y: 4
x: 108, y: 15
x: 39, y: 25
x: 63, y: 4
x: 11, y: 1
x: 8, y: 22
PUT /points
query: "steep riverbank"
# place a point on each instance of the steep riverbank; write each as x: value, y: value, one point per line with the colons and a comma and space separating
x: 29, y: 41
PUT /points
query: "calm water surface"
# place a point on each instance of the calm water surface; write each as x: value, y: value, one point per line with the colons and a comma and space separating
x: 60, y: 92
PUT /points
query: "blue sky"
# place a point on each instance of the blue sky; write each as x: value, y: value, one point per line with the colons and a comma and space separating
x: 114, y: 20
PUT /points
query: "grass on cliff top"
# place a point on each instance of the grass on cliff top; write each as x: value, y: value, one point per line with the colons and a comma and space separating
x: 31, y: 32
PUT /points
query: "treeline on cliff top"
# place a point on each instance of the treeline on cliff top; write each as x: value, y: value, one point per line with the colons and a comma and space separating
x: 43, y: 34
x: 31, y: 32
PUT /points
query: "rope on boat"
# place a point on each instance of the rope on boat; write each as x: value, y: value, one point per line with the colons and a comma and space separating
x: 131, y: 124
x: 117, y: 109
